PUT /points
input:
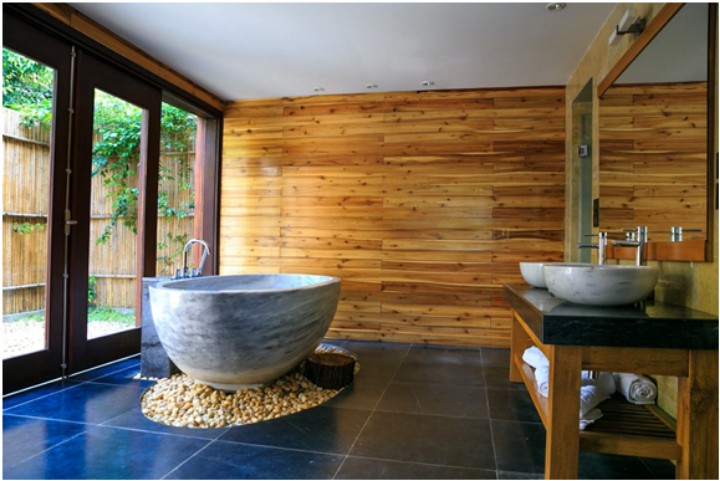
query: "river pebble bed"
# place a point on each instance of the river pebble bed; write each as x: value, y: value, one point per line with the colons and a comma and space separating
x: 180, y: 401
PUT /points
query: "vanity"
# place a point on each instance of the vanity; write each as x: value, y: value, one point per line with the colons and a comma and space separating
x: 649, y: 338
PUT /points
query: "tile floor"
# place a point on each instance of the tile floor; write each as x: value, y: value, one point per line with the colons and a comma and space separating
x: 413, y: 412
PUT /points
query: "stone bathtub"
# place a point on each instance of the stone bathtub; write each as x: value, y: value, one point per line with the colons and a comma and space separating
x: 239, y: 331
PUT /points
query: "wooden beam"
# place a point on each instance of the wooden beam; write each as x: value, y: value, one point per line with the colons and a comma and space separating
x: 654, y: 27
x: 93, y: 30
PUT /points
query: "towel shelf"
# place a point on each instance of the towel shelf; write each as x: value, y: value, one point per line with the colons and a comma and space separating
x: 528, y: 378
x: 625, y: 428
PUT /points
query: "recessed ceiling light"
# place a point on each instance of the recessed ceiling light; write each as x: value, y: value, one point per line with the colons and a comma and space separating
x: 427, y: 83
x: 371, y: 86
x: 556, y: 7
x: 319, y: 89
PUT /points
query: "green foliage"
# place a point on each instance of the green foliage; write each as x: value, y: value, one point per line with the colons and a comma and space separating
x: 108, y: 314
x: 27, y: 228
x: 27, y: 87
x: 170, y: 250
x: 92, y: 291
x: 116, y: 156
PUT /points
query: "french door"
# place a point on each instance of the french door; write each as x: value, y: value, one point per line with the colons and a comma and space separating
x: 106, y: 232
x: 97, y: 212
x: 37, y: 354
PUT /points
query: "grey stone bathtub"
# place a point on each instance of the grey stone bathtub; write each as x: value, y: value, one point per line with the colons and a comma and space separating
x: 238, y: 331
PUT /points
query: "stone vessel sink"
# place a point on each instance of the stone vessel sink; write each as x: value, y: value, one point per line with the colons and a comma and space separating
x: 600, y: 285
x: 532, y: 273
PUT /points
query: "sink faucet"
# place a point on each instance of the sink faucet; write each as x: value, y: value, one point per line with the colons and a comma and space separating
x: 600, y: 246
x: 636, y: 238
x: 183, y: 272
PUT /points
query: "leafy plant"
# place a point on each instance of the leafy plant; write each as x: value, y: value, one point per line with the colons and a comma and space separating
x: 171, y: 249
x: 27, y: 228
x: 92, y: 291
x: 116, y: 156
x: 27, y: 87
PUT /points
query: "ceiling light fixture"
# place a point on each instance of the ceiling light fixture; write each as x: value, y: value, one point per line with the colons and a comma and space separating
x: 371, y: 86
x: 556, y: 7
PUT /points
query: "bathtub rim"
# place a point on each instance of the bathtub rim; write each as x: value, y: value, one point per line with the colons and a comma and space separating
x: 163, y: 285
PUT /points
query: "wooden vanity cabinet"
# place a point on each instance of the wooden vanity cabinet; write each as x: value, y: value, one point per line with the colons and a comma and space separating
x: 653, y: 339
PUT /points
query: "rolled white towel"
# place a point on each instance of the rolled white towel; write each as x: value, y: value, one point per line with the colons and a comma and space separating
x: 590, y: 417
x: 637, y: 389
x: 590, y: 397
x: 542, y: 380
x: 604, y: 381
x: 535, y: 357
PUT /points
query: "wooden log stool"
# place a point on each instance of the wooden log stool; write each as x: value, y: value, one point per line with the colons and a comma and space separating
x: 330, y: 370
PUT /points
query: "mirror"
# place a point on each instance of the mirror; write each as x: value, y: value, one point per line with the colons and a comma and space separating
x: 653, y: 138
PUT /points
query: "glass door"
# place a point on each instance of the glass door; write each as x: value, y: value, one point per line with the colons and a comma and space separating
x: 116, y: 131
x: 85, y: 181
x: 36, y: 85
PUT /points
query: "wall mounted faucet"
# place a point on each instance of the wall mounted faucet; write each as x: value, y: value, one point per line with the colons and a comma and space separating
x: 676, y: 233
x: 600, y: 246
x: 183, y: 272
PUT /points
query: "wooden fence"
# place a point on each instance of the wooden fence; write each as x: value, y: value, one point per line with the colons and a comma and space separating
x: 26, y: 189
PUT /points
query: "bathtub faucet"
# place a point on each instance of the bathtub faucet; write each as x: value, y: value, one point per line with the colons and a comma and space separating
x: 183, y: 272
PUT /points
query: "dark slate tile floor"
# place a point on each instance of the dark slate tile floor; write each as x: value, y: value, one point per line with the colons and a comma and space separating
x: 413, y: 412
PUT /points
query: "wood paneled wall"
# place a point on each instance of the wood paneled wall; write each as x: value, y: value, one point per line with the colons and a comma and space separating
x: 422, y: 202
x: 653, y: 158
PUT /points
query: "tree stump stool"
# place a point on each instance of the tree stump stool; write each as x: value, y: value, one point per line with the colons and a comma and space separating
x: 330, y: 370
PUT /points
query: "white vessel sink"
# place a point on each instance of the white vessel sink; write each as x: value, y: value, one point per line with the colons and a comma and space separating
x: 533, y: 274
x: 600, y: 285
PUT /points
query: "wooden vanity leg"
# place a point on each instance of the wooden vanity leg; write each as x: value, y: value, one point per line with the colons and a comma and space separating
x: 697, y: 422
x: 518, y: 345
x: 563, y: 434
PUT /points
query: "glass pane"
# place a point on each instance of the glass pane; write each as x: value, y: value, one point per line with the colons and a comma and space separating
x: 27, y: 121
x: 176, y: 192
x: 117, y: 127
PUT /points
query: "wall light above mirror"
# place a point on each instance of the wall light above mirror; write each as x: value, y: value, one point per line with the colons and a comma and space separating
x: 654, y: 166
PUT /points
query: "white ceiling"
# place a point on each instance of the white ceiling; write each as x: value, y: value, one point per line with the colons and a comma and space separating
x: 257, y: 50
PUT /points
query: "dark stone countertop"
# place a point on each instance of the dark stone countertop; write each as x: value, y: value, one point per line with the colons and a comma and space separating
x: 648, y: 324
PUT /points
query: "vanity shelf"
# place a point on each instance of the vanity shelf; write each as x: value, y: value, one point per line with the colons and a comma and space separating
x: 654, y: 339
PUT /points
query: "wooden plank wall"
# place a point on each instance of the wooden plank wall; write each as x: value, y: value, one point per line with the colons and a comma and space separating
x: 653, y: 158
x: 422, y: 202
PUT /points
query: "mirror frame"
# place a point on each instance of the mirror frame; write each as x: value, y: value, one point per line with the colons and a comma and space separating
x: 666, y: 250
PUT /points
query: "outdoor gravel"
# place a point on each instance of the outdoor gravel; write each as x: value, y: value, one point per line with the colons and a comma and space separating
x: 22, y: 337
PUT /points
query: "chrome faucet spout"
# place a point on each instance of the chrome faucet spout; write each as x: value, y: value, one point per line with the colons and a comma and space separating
x: 601, y: 246
x: 636, y: 238
x: 206, y: 252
